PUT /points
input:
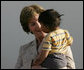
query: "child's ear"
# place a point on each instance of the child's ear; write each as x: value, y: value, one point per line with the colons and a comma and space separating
x: 42, y: 25
x: 58, y: 20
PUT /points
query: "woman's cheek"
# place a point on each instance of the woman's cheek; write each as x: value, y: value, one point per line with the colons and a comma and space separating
x: 32, y: 29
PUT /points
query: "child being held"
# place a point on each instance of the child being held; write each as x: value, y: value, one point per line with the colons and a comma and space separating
x: 52, y: 54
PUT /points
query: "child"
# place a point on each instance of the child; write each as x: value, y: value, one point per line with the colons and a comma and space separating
x: 52, y: 54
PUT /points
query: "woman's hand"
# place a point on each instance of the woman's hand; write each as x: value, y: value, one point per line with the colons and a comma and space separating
x: 33, y: 63
x: 36, y: 67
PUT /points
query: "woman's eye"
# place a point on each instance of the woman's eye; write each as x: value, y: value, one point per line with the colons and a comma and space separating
x: 32, y: 24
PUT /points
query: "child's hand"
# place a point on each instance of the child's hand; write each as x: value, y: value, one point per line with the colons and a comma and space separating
x: 36, y: 67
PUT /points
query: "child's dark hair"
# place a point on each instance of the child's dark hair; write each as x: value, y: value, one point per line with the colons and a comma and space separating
x: 49, y: 19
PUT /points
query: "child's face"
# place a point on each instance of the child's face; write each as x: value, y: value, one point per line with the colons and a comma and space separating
x: 44, y: 28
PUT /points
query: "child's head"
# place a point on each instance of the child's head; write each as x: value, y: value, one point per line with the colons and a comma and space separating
x: 49, y: 19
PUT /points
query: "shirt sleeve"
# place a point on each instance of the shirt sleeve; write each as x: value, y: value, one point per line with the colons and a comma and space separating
x: 68, y: 37
x: 46, y: 43
x: 19, y: 63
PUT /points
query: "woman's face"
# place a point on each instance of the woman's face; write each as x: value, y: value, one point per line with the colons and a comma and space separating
x: 35, y: 26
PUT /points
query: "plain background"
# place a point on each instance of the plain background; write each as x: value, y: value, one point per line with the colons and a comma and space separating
x: 12, y: 35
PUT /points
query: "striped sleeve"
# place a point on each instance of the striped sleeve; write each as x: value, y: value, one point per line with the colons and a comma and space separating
x: 69, y: 38
x: 46, y: 43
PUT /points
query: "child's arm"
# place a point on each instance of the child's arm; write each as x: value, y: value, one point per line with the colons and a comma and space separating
x: 46, y: 47
x: 41, y: 57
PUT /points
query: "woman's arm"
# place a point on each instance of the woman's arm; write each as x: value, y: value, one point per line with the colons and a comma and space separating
x: 19, y: 60
x: 70, y: 59
x: 41, y: 57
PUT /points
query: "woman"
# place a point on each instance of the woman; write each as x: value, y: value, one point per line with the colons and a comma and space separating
x: 29, y: 22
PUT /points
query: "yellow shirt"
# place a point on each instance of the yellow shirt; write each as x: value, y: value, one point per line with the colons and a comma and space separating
x: 57, y: 41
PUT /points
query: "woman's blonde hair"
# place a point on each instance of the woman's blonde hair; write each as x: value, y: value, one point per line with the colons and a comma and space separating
x: 27, y: 13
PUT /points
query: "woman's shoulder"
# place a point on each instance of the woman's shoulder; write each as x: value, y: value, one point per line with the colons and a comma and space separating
x: 27, y: 45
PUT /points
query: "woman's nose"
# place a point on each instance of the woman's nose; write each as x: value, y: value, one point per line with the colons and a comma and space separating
x: 38, y: 25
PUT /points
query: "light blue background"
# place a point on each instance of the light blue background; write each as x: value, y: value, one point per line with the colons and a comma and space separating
x: 12, y: 35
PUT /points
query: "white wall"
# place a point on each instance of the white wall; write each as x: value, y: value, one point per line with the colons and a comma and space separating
x: 12, y: 35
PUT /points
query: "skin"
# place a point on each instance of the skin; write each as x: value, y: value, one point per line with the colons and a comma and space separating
x: 41, y: 57
x: 44, y: 53
x: 45, y: 29
x: 35, y: 28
